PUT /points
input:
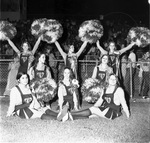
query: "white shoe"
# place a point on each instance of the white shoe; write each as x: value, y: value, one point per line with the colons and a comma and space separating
x: 63, y: 113
x: 70, y: 116
x: 65, y: 118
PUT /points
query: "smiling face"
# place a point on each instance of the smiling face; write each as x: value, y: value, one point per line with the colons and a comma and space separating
x: 112, y: 80
x: 71, y: 49
x: 25, y: 47
x: 42, y: 58
x: 112, y: 46
x: 105, y: 59
x: 66, y: 73
x: 23, y: 79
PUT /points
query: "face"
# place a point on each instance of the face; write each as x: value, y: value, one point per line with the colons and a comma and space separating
x: 112, y: 80
x: 25, y: 46
x: 67, y: 73
x: 42, y: 58
x: 23, y: 79
x: 71, y: 49
x: 112, y: 46
x: 105, y: 59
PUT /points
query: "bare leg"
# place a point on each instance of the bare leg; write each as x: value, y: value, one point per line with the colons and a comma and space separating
x: 81, y: 114
x: 51, y: 113
x: 48, y: 117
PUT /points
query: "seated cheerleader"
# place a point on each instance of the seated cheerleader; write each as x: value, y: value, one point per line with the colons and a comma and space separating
x: 40, y: 70
x: 24, y: 104
x: 102, y: 71
x: 108, y: 106
x: 67, y: 90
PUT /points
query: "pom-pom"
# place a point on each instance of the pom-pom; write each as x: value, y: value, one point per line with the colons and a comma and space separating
x: 44, y: 89
x: 92, y: 89
x: 7, y: 30
x: 50, y: 29
x: 91, y: 31
x: 54, y: 31
x: 140, y: 35
x: 38, y: 27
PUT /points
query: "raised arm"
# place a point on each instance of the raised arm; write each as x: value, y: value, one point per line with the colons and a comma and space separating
x: 13, y: 46
x: 101, y: 49
x: 36, y: 45
x: 126, y: 48
x: 81, y: 49
x: 63, y: 54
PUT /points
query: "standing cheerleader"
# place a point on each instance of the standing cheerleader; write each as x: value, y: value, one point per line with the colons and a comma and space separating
x: 114, y: 54
x: 26, y: 56
x: 70, y: 58
x: 11, y: 80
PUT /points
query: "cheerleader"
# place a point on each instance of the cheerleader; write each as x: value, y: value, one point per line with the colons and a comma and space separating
x: 103, y: 70
x: 40, y: 71
x: 67, y: 90
x: 26, y: 55
x: 114, y: 54
x: 13, y: 70
x: 70, y: 58
x: 24, y: 104
x: 108, y: 106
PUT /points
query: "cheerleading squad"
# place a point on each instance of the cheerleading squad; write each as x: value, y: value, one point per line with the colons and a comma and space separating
x: 35, y: 87
x: 28, y: 96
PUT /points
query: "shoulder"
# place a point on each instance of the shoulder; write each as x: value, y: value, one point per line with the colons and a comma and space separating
x: 14, y: 91
x: 119, y: 91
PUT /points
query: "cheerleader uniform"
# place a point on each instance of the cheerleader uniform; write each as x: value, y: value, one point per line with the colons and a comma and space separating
x: 24, y: 62
x: 113, y: 109
x: 71, y: 62
x: 101, y: 75
x: 40, y: 74
x: 24, y: 113
x: 69, y: 97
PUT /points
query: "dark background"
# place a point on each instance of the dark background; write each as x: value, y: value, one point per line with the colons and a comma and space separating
x: 136, y: 9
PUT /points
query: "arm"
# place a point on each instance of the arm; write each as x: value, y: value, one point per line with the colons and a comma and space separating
x: 81, y: 49
x: 63, y: 54
x: 121, y: 96
x: 94, y: 72
x: 101, y: 49
x: 126, y: 48
x: 48, y: 73
x: 31, y: 73
x: 15, y: 100
x: 36, y: 45
x: 13, y: 46
x: 61, y: 93
x: 100, y: 100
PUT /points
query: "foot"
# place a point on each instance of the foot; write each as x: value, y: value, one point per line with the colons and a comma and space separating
x: 63, y: 113
x: 70, y: 116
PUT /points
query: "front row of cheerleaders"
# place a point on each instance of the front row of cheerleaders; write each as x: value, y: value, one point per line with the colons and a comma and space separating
x: 25, y: 104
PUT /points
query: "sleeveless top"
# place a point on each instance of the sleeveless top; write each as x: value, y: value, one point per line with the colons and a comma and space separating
x: 71, y: 62
x: 25, y: 112
x: 69, y: 97
x: 24, y: 60
x: 108, y: 102
x: 40, y: 74
x: 113, y: 60
x: 101, y: 75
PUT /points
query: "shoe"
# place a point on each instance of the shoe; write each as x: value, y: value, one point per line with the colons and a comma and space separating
x: 63, y: 112
x: 144, y: 97
x: 65, y: 118
x: 70, y: 116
